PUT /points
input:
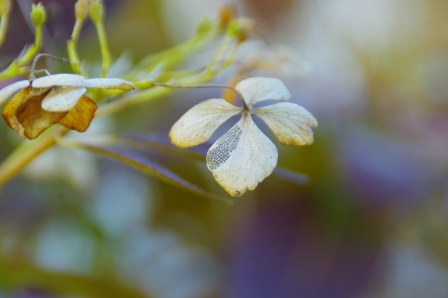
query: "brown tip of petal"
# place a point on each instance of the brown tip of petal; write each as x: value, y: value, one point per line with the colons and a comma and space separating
x: 122, y: 87
x: 80, y: 116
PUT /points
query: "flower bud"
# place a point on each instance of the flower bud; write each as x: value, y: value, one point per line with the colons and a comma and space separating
x: 38, y: 14
x: 81, y: 9
x: 243, y: 28
x: 227, y: 13
x: 204, y: 26
x: 96, y: 10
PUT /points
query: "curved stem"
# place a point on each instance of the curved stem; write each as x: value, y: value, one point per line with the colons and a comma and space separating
x: 72, y: 46
x: 104, y: 47
x: 245, y: 106
x: 37, y: 57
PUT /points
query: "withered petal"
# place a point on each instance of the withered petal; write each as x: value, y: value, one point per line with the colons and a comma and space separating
x: 9, y: 110
x: 80, y: 116
x: 24, y: 114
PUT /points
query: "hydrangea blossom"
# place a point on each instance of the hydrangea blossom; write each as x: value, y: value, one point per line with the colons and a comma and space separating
x: 244, y: 156
x: 38, y: 104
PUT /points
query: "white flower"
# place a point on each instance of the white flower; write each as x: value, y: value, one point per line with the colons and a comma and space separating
x: 244, y: 156
x: 36, y: 105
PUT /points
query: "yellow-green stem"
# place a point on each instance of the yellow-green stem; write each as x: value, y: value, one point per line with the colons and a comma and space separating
x: 147, y: 95
x: 3, y: 28
x: 221, y: 50
x: 33, y: 49
x: 72, y: 47
x: 15, y: 163
x: 18, y: 66
x: 104, y: 47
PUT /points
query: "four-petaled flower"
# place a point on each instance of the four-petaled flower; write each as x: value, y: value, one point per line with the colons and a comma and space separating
x: 244, y: 156
x: 38, y: 104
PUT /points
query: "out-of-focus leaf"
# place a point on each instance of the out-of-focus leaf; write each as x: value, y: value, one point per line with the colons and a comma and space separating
x: 17, y: 275
x: 144, y: 165
x: 291, y: 176
x: 199, y: 152
x: 163, y: 144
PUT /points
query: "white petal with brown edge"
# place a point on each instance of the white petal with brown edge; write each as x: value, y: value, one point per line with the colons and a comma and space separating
x: 10, y: 90
x: 106, y: 83
x: 199, y: 123
x: 62, y: 99
x: 60, y: 79
x: 242, y: 157
x: 259, y: 89
x: 290, y: 123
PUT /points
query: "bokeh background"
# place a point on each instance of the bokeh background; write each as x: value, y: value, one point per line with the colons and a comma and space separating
x: 371, y: 222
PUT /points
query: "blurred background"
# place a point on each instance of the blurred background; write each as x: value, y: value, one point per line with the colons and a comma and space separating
x: 371, y: 222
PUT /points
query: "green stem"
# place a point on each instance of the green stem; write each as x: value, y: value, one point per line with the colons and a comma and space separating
x: 147, y: 95
x: 18, y: 66
x: 226, y: 42
x: 33, y: 49
x: 105, y: 53
x: 27, y: 152
x: 72, y: 47
x: 3, y: 28
x: 245, y: 106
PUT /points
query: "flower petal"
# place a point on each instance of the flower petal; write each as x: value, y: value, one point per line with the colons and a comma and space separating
x: 199, y: 123
x: 10, y: 90
x: 60, y: 79
x: 62, y: 99
x: 113, y: 83
x: 290, y: 123
x: 24, y: 114
x: 80, y: 116
x: 242, y: 157
x: 9, y: 111
x: 258, y: 89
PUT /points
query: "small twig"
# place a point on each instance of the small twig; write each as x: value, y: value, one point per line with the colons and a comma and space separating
x: 33, y: 65
x: 245, y: 106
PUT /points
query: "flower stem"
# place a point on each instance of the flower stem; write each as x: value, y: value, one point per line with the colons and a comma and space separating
x: 245, y: 107
x: 4, y: 21
x: 97, y: 14
x: 18, y: 66
x: 24, y: 154
x: 72, y: 47
x: 104, y: 48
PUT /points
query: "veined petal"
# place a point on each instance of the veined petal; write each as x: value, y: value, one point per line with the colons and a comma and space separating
x: 199, y: 123
x: 105, y: 83
x: 242, y: 157
x: 290, y: 122
x: 10, y: 90
x: 62, y: 99
x: 258, y: 89
x: 60, y: 79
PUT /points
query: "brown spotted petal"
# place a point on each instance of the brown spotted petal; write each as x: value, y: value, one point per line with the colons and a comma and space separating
x: 24, y: 114
x: 80, y: 116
